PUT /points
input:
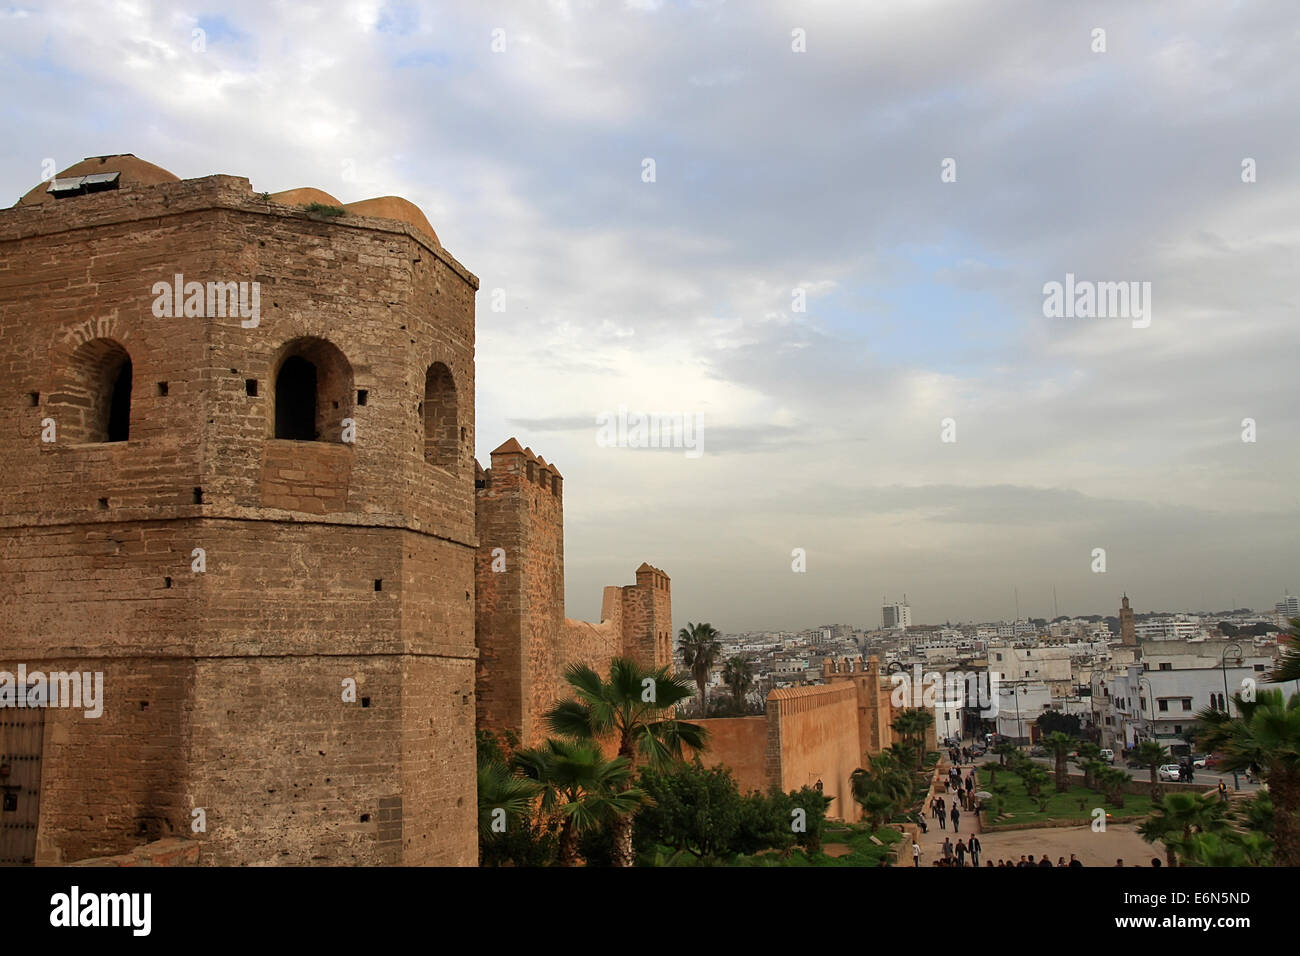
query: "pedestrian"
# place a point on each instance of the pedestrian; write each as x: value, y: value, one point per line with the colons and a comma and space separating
x: 960, y: 850
x: 1223, y: 792
x: 947, y: 849
x: 943, y: 818
x: 973, y: 844
x: 1060, y: 861
x: 921, y: 820
x: 1045, y: 860
x: 970, y: 783
x: 956, y: 819
x: 1074, y: 862
x: 916, y: 853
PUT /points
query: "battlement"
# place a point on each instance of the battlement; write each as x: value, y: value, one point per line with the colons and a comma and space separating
x: 525, y: 641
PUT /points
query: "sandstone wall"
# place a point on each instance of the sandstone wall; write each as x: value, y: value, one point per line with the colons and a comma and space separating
x: 739, y: 743
x: 812, y: 735
x: 324, y: 560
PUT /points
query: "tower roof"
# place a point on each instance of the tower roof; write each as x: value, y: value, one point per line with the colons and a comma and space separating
x: 130, y: 168
x: 508, y: 447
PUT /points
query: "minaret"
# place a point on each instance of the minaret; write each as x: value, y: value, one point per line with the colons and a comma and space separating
x: 1127, y: 633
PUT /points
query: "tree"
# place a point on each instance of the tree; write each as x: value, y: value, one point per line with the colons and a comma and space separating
x: 882, y: 789
x: 581, y: 787
x: 912, y: 724
x: 1288, y: 662
x: 1152, y: 755
x: 1004, y: 750
x: 1088, y: 757
x: 1176, y: 818
x: 1060, y: 745
x: 634, y: 706
x: 1227, y: 849
x: 738, y: 674
x: 1052, y: 721
x: 700, y: 648
x: 1264, y: 738
x: 1111, y: 780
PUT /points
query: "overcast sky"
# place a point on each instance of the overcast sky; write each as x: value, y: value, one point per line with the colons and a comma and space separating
x: 777, y: 170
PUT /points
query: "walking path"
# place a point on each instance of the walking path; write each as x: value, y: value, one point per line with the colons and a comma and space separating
x: 1118, y: 841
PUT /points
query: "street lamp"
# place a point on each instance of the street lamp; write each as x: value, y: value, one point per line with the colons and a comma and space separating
x: 1223, y: 665
x: 1019, y: 728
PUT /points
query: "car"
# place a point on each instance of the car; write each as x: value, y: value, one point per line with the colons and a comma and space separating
x: 1169, y: 771
x: 1038, y: 752
x: 1207, y: 762
x: 1108, y: 755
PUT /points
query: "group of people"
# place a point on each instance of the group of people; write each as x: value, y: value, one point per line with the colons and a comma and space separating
x: 953, y: 854
x: 957, y: 855
x: 940, y: 811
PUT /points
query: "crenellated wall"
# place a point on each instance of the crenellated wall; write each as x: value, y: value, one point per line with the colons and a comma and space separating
x: 524, y: 640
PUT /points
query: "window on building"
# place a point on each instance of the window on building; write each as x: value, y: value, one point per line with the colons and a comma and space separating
x: 1166, y: 666
x: 1164, y: 704
x: 440, y: 417
x: 313, y: 392
x: 91, y: 395
x: 1187, y: 703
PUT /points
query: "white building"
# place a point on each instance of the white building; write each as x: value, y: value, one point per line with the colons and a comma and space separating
x: 896, y: 616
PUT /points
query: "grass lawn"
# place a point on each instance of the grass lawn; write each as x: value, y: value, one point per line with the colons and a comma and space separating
x: 1059, y: 806
x: 862, y: 852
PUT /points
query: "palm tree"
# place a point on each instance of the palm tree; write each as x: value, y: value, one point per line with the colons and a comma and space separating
x: 738, y: 674
x: 1264, y: 737
x: 1004, y: 750
x: 581, y: 787
x: 1089, y: 761
x: 1227, y: 849
x: 700, y: 648
x: 1060, y: 744
x: 634, y: 706
x: 912, y: 725
x: 1176, y: 818
x: 499, y: 789
x: 882, y: 789
x: 1288, y: 662
x: 1111, y: 780
x: 1152, y: 755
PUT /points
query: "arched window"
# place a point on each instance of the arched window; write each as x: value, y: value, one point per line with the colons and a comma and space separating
x: 313, y: 392
x: 295, y: 400
x: 91, y: 397
x: 441, y: 426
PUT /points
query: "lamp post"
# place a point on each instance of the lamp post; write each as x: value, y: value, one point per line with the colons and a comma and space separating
x: 1019, y: 728
x: 1227, y: 709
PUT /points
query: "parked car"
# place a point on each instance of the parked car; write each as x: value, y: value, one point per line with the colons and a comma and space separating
x: 1207, y: 762
x: 1168, y: 772
x: 1108, y: 755
x: 1038, y: 751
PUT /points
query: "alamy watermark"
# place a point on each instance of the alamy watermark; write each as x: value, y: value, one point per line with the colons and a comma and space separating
x: 215, y: 300
x: 954, y: 689
x: 624, y: 429
x: 75, y: 690
x: 1098, y: 300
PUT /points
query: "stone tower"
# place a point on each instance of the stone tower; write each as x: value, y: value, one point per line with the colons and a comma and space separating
x: 1127, y: 633
x: 239, y: 483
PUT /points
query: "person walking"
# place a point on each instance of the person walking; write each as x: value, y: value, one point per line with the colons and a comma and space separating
x: 956, y: 819
x: 916, y: 854
x: 960, y: 850
x: 947, y: 850
x: 943, y: 816
x: 1223, y: 792
x: 973, y: 844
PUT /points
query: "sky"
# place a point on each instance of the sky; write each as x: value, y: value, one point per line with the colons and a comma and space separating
x: 912, y: 173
